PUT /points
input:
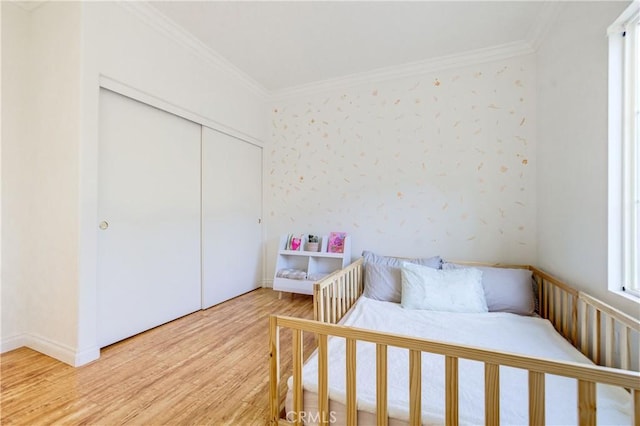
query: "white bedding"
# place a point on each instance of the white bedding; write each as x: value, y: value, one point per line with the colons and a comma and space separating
x: 501, y: 331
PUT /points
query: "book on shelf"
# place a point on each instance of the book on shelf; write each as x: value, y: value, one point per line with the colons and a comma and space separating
x: 336, y: 242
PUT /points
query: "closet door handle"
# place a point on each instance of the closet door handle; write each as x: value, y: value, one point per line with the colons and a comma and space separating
x: 103, y: 225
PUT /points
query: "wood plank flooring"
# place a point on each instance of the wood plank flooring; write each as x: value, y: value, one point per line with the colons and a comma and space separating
x: 208, y: 368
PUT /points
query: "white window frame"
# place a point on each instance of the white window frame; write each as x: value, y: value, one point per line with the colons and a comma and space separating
x: 624, y: 153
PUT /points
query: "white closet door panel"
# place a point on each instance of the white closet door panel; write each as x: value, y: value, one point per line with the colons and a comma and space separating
x: 231, y: 212
x: 149, y: 194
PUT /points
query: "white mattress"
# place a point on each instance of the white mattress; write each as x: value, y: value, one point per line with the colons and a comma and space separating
x: 501, y: 331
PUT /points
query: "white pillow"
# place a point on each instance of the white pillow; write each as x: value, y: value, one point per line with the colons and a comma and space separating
x: 456, y: 290
x: 505, y: 289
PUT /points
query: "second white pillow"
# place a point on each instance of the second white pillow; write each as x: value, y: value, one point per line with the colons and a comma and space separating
x: 457, y: 290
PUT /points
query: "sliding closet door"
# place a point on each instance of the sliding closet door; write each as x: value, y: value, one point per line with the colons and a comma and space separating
x: 149, y: 217
x: 231, y: 212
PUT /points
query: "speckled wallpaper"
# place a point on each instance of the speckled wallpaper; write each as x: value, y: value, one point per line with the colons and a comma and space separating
x: 442, y: 163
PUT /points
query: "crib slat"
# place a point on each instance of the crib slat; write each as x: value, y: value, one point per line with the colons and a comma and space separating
x: 323, y: 385
x: 381, y: 385
x: 547, y: 300
x: 327, y: 304
x: 539, y: 283
x: 318, y: 305
x: 415, y: 387
x: 345, y: 295
x: 559, y: 312
x: 625, y: 356
x: 545, y: 296
x: 274, y: 369
x: 552, y: 305
x: 491, y: 394
x: 352, y: 409
x: 584, y: 344
x: 586, y: 403
x: 354, y: 285
x: 565, y: 313
x: 334, y: 303
x: 545, y: 284
x: 297, y: 373
x: 574, y: 320
x: 595, y: 337
x: 536, y: 398
x: 342, y: 296
x: 451, y: 383
x: 336, y: 298
x: 557, y: 308
x: 608, y: 341
x: 352, y: 416
x: 636, y: 407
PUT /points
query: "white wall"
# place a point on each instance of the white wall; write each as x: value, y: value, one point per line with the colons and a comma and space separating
x: 572, y: 148
x: 17, y: 184
x: 442, y: 163
x: 55, y: 126
x: 72, y: 45
x: 40, y: 269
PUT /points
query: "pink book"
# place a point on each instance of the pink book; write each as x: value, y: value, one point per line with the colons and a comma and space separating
x: 336, y: 242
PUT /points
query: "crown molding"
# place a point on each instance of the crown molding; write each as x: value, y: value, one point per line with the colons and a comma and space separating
x: 534, y: 38
x: 532, y: 42
x: 474, y: 57
x: 169, y: 28
x: 547, y: 16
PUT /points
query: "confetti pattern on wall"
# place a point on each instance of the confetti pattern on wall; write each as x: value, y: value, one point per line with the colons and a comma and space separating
x: 438, y: 164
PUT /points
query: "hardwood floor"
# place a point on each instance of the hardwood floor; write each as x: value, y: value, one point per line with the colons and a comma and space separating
x: 210, y: 367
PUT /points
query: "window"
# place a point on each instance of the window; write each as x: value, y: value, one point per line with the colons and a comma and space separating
x: 624, y: 152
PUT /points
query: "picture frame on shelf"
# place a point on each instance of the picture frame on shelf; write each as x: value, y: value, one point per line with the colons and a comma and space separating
x: 336, y: 242
x: 293, y: 243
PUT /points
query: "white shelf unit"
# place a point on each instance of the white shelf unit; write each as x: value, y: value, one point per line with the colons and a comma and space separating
x: 312, y: 262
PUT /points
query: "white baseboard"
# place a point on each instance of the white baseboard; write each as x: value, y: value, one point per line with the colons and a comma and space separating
x: 49, y: 347
x: 86, y: 356
x: 13, y: 342
x: 56, y: 350
x: 267, y: 283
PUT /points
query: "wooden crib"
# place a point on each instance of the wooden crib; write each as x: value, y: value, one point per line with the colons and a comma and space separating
x: 599, y: 331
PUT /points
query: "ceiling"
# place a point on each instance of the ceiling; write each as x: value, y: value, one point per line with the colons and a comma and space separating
x: 288, y: 44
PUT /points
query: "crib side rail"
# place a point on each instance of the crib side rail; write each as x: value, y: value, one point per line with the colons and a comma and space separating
x: 601, y: 332
x: 557, y: 302
x: 587, y: 375
x: 334, y: 295
x: 606, y: 334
